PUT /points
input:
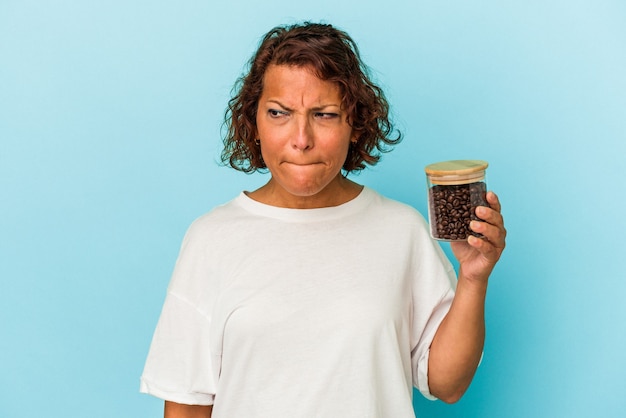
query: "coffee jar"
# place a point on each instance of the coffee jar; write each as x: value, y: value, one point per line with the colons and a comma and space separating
x: 455, y: 189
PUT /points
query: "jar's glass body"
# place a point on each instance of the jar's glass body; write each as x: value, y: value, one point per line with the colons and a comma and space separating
x: 452, y: 201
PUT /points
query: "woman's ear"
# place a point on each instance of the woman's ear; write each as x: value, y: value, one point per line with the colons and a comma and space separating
x: 255, y: 136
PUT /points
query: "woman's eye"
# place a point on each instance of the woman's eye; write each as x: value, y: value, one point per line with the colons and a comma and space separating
x: 275, y: 113
x: 323, y: 115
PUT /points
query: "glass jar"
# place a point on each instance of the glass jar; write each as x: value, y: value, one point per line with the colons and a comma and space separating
x: 455, y: 189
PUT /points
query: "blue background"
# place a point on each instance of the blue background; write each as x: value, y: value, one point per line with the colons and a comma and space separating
x: 110, y: 116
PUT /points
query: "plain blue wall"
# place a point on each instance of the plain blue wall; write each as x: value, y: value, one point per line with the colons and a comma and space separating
x: 110, y: 118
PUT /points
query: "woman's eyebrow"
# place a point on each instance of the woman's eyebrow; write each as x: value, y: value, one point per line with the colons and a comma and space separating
x: 324, y: 106
x: 314, y: 109
x: 279, y: 104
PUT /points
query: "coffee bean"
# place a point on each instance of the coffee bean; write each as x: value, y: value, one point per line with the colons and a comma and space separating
x: 453, y: 207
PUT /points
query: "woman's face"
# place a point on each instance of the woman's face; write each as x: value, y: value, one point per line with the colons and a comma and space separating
x: 304, y: 134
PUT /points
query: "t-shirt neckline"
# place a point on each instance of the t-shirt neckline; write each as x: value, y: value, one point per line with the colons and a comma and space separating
x: 300, y: 215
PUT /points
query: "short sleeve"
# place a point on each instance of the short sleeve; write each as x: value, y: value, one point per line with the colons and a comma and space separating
x: 432, y: 298
x: 421, y: 353
x: 178, y: 367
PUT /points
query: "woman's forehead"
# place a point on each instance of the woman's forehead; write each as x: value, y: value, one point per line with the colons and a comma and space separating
x: 299, y: 86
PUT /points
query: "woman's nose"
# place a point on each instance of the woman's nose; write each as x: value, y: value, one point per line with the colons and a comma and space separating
x: 303, y: 137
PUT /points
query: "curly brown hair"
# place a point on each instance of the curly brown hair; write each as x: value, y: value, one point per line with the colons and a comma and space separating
x: 333, y: 56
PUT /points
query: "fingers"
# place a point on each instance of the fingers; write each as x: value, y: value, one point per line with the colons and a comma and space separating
x: 489, y: 216
x: 492, y: 213
x: 493, y: 201
x: 478, y: 255
x: 492, y: 227
x: 495, y: 235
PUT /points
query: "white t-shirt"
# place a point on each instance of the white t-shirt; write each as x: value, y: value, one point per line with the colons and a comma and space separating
x: 301, y: 313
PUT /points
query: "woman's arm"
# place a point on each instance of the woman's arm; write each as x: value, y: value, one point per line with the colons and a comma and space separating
x: 176, y: 410
x: 458, y: 343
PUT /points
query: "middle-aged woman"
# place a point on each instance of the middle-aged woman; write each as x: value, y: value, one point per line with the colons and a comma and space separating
x: 314, y: 296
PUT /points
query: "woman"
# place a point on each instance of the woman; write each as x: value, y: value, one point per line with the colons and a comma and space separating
x: 313, y: 295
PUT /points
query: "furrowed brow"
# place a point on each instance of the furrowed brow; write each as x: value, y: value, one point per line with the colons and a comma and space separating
x: 280, y: 104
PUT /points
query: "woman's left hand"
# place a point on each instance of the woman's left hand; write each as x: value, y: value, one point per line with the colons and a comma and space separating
x: 478, y: 256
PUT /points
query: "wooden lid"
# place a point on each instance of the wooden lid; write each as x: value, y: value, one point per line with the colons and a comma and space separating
x: 456, y: 171
x: 456, y: 167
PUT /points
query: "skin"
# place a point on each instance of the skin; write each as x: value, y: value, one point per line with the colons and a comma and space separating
x: 176, y: 410
x: 304, y: 137
x: 458, y: 343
